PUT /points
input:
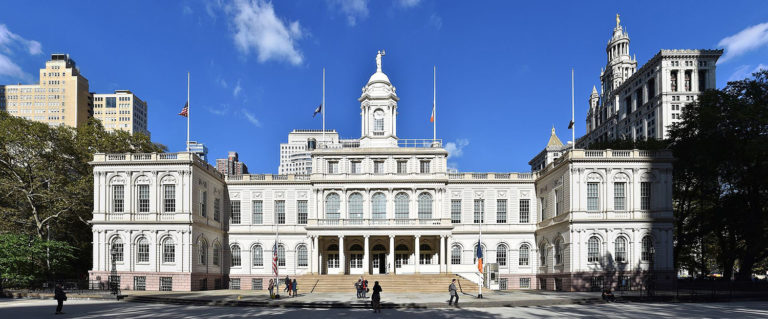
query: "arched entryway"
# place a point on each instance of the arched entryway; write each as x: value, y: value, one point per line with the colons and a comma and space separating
x: 378, y: 259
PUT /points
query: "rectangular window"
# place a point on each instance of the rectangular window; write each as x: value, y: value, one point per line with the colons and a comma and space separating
x: 280, y: 212
x: 525, y: 283
x: 378, y: 167
x: 619, y: 197
x: 687, y: 78
x: 333, y: 167
x: 592, y: 197
x: 651, y: 88
x: 501, y: 211
x: 402, y: 167
x: 558, y: 202
x: 354, y: 167
x: 166, y: 283
x: 143, y: 205
x: 302, y: 212
x: 216, y: 209
x: 118, y: 196
x: 456, y: 211
x: 169, y: 251
x: 234, y: 283
x: 203, y: 203
x: 169, y: 198
x: 234, y: 209
x: 258, y: 212
x: 645, y: 195
x: 424, y: 167
x: 140, y: 283
x: 673, y: 81
x: 702, y: 80
x: 257, y: 284
x: 525, y: 208
x: 479, y: 211
x: 425, y: 259
x: 503, y: 283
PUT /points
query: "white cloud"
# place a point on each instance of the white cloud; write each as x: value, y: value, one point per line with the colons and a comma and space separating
x: 222, y: 82
x: 354, y: 10
x: 436, y: 21
x: 258, y: 29
x: 10, y: 44
x: 186, y: 10
x: 760, y: 67
x: 221, y: 110
x: 237, y: 89
x: 408, y: 3
x: 740, y: 73
x: 746, y: 40
x: 456, y: 149
x: 251, y: 118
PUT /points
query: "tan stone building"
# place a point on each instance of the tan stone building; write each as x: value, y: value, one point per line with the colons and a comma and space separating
x: 121, y: 110
x: 61, y: 97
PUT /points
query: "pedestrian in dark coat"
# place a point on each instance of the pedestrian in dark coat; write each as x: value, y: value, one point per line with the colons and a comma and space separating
x: 60, y: 297
x: 271, y: 289
x: 454, y: 293
x: 293, y: 285
x: 358, y: 283
x: 376, y: 297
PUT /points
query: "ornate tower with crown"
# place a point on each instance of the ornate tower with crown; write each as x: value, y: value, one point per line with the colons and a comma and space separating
x: 378, y: 106
x: 620, y: 65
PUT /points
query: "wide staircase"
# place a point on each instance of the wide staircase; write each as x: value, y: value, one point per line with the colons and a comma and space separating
x: 431, y: 283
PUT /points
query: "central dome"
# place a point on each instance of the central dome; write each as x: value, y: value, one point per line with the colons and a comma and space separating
x: 379, y: 77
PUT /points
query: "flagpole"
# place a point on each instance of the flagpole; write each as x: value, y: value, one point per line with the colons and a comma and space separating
x: 434, y: 103
x: 573, y: 129
x: 480, y: 248
x: 323, y: 107
x: 187, y: 111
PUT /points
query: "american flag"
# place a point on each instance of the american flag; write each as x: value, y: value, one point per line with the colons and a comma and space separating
x: 274, y: 259
x: 185, y: 111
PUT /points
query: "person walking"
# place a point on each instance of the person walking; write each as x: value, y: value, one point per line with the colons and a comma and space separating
x: 60, y: 297
x: 454, y: 293
x: 376, y: 297
x: 271, y: 289
x: 288, y: 288
x: 295, y: 290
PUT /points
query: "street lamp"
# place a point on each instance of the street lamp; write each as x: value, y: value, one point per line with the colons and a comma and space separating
x: 114, y: 284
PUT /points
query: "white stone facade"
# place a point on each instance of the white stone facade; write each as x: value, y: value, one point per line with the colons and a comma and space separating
x: 381, y: 206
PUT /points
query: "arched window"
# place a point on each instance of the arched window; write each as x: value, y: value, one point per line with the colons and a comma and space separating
x: 281, y: 256
x: 378, y: 121
x: 332, y: 206
x: 257, y: 254
x: 593, y: 249
x: 356, y: 206
x: 169, y: 250
x: 621, y: 250
x: 203, y: 253
x: 117, y: 244
x: 425, y: 206
x: 558, y: 251
x: 425, y: 254
x: 216, y: 253
x: 333, y: 248
x: 402, y: 256
x: 543, y: 254
x: 356, y: 256
x: 648, y: 250
x: 501, y: 255
x: 401, y: 206
x: 456, y: 255
x: 301, y: 253
x: 379, y: 206
x: 522, y: 260
x: 236, y: 262
x: 142, y: 250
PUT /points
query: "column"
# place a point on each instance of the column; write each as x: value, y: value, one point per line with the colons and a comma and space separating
x: 441, y: 259
x: 391, y: 257
x: 315, y: 252
x: 416, y: 253
x: 366, y: 255
x: 342, y: 262
x: 449, y: 239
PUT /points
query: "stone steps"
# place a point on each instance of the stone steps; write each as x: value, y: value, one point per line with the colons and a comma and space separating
x: 430, y: 283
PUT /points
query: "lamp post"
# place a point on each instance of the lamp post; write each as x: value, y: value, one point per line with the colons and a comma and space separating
x: 114, y: 285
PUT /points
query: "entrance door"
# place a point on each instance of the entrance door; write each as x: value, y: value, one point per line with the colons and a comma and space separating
x: 382, y: 264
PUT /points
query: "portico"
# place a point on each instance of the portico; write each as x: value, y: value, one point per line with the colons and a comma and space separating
x: 377, y: 252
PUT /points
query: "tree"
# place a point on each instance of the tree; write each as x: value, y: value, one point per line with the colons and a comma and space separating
x: 24, y: 259
x: 721, y: 171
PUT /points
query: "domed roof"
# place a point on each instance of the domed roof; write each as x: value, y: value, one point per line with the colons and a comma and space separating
x: 379, y: 77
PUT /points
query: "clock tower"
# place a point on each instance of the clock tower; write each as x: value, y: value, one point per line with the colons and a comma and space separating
x: 378, y: 106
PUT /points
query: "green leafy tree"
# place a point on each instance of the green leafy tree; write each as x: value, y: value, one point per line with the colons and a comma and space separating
x: 25, y: 259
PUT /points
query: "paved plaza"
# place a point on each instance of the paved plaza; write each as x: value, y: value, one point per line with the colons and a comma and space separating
x: 35, y: 308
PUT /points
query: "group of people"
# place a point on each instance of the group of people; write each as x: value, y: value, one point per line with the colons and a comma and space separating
x: 362, y: 287
x: 290, y: 287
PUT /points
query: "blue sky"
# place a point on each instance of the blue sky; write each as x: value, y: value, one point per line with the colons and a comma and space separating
x: 503, y: 67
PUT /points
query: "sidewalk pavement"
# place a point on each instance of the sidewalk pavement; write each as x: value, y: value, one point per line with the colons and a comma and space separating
x: 517, y: 298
